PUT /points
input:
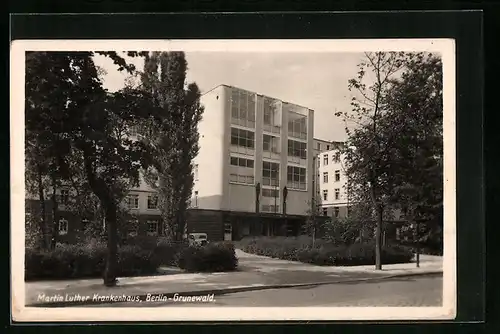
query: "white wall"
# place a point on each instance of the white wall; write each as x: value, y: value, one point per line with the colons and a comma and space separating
x: 211, y: 158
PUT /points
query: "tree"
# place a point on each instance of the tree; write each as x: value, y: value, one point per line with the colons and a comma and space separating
x: 312, y: 223
x: 415, y: 110
x: 90, y: 127
x: 172, y: 137
x: 48, y: 91
x: 367, y: 152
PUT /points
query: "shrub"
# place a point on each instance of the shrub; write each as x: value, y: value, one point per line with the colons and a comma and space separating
x: 86, y: 261
x: 214, y: 257
x: 323, y: 252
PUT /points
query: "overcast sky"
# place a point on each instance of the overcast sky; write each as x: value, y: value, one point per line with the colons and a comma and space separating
x: 314, y: 80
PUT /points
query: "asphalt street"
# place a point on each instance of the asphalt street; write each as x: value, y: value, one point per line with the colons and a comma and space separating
x: 415, y: 291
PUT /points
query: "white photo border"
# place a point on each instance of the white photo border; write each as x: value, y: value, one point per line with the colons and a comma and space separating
x: 445, y: 47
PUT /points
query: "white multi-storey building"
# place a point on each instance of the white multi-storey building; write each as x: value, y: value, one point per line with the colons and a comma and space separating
x: 332, y: 190
x: 248, y: 141
x: 321, y: 145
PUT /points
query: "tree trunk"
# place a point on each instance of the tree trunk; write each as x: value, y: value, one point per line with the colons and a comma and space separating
x: 378, y: 240
x: 43, y: 220
x: 417, y: 235
x: 55, y: 223
x: 112, y: 254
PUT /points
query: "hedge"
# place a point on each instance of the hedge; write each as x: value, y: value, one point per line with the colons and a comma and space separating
x: 323, y: 253
x: 86, y: 261
x: 140, y: 256
x: 214, y: 257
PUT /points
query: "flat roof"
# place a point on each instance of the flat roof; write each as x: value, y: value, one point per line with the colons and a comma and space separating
x: 251, y: 91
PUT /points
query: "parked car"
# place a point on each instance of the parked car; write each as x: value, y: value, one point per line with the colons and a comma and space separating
x: 197, y: 239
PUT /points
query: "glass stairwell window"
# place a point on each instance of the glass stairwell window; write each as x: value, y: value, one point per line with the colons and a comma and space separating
x: 243, y: 106
x: 272, y: 116
x: 297, y: 126
x: 271, y: 146
x: 296, y: 178
x: 297, y: 151
x: 270, y: 174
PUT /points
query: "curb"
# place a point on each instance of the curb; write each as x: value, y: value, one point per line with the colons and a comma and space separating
x: 220, y: 292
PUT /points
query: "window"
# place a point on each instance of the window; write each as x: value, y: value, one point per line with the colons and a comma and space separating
x: 132, y: 226
x: 244, y: 179
x: 270, y: 144
x: 325, y: 195
x: 195, y: 172
x: 270, y: 173
x: 325, y: 160
x: 318, y: 146
x: 337, y: 193
x: 152, y: 202
x: 133, y: 201
x: 327, y: 147
x: 133, y: 131
x: 297, y: 149
x: 337, y: 176
x: 336, y: 158
x: 270, y: 193
x: 152, y: 227
x: 64, y: 196
x: 243, y: 108
x: 325, y: 177
x: 242, y: 138
x: 63, y: 226
x: 296, y: 177
x: 241, y: 162
x: 297, y: 125
x: 271, y: 116
x: 319, y: 163
x: 336, y: 211
x: 239, y: 175
x: 85, y: 224
x: 325, y: 212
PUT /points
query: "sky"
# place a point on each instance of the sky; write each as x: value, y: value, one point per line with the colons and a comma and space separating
x: 315, y: 80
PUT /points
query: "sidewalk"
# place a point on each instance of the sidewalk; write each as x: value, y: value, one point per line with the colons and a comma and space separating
x: 255, y: 273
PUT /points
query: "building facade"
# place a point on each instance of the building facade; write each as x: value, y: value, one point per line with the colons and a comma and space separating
x: 249, y: 140
x: 254, y: 151
x: 333, y: 186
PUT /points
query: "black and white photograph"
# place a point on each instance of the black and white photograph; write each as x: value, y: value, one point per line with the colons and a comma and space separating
x: 233, y: 180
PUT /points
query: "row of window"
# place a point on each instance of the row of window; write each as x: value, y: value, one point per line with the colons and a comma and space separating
x: 336, y: 193
x: 152, y: 226
x: 318, y: 147
x: 336, y: 211
x: 243, y: 106
x: 239, y: 178
x: 335, y: 159
x: 132, y: 202
x: 246, y: 138
x: 336, y: 173
x: 296, y: 176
